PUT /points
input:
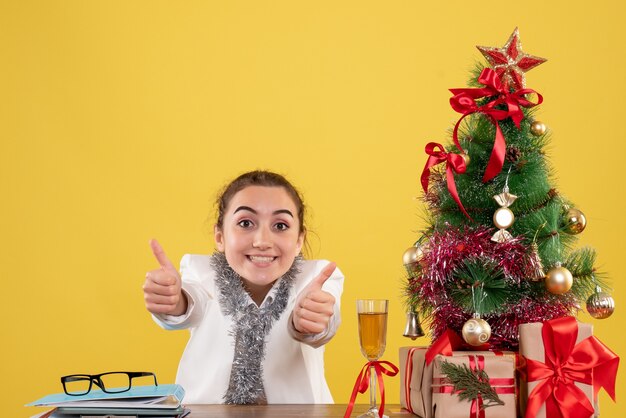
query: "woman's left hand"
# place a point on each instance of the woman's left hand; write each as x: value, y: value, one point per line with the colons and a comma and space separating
x: 314, y: 307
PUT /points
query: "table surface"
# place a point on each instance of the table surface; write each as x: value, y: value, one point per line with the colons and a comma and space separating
x: 291, y: 410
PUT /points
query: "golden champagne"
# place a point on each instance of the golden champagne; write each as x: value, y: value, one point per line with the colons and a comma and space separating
x: 372, y: 334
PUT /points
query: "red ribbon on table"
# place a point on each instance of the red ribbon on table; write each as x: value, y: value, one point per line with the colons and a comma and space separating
x: 589, y: 362
x: 464, y: 101
x: 363, y: 382
x: 454, y: 164
x: 448, y: 342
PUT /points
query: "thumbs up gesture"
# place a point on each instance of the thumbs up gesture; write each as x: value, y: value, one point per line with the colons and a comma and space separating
x: 314, y: 307
x: 162, y: 288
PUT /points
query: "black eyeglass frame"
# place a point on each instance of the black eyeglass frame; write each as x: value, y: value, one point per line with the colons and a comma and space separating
x: 97, y: 380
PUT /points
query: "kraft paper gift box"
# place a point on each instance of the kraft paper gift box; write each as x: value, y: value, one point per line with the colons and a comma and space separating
x: 416, y: 377
x: 415, y: 381
x: 501, y: 370
x: 532, y: 347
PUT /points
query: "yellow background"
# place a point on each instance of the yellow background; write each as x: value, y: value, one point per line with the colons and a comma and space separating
x: 119, y: 121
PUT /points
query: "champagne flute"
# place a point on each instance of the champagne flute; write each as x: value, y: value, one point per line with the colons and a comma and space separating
x: 373, y: 339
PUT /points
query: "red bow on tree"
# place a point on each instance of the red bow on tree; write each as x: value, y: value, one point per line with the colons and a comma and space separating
x: 454, y: 164
x: 566, y: 362
x: 464, y: 101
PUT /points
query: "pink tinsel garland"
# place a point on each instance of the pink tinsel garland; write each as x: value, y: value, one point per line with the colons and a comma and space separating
x: 446, y: 250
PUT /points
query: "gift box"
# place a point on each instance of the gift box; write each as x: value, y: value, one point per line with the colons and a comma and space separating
x: 500, y: 371
x: 415, y: 381
x: 562, y: 357
x: 416, y: 377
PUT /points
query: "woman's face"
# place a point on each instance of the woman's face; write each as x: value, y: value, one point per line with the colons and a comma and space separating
x: 260, y: 235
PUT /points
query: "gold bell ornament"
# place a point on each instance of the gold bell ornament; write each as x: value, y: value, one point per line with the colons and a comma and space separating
x: 413, y: 329
x: 600, y: 305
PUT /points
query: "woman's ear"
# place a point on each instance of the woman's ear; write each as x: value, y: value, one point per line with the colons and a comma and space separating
x: 218, y: 234
x: 300, y: 242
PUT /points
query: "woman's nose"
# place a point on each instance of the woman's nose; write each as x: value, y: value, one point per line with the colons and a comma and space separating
x: 262, y: 239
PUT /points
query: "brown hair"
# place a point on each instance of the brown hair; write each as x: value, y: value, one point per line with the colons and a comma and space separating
x: 258, y: 178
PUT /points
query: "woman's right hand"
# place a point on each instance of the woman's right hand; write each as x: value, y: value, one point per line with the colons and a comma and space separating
x: 162, y: 289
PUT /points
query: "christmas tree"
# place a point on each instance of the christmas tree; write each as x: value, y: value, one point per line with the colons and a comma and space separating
x: 499, y: 247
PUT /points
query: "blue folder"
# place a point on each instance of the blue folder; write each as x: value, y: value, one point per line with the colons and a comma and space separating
x: 161, y: 396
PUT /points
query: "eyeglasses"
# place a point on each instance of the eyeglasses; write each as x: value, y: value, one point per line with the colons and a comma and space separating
x: 110, y: 382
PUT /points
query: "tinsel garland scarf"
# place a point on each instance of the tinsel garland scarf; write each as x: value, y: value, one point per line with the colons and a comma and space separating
x: 447, y: 251
x: 251, y: 324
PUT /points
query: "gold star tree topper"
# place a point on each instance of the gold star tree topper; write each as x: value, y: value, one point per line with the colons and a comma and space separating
x: 510, y: 62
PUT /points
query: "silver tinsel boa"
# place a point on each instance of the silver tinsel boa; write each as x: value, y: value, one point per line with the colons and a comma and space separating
x: 251, y: 324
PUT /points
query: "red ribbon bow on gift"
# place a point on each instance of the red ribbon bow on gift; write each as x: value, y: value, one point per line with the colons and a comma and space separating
x: 363, y: 381
x: 589, y: 362
x: 464, y: 101
x: 454, y: 164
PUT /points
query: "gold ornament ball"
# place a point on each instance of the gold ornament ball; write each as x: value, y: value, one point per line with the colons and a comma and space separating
x: 538, y: 128
x: 575, y: 221
x: 559, y: 280
x: 600, y: 305
x: 411, y: 259
x: 476, y: 331
x: 466, y: 159
x: 503, y: 218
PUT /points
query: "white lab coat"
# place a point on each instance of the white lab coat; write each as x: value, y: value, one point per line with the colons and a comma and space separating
x: 293, y: 367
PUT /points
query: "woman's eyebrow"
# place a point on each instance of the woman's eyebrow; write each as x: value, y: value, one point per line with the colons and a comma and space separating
x: 276, y: 212
x: 279, y: 211
x: 248, y: 208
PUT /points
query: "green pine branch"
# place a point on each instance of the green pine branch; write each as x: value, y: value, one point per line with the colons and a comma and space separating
x: 581, y: 264
x: 480, y: 287
x: 470, y: 384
